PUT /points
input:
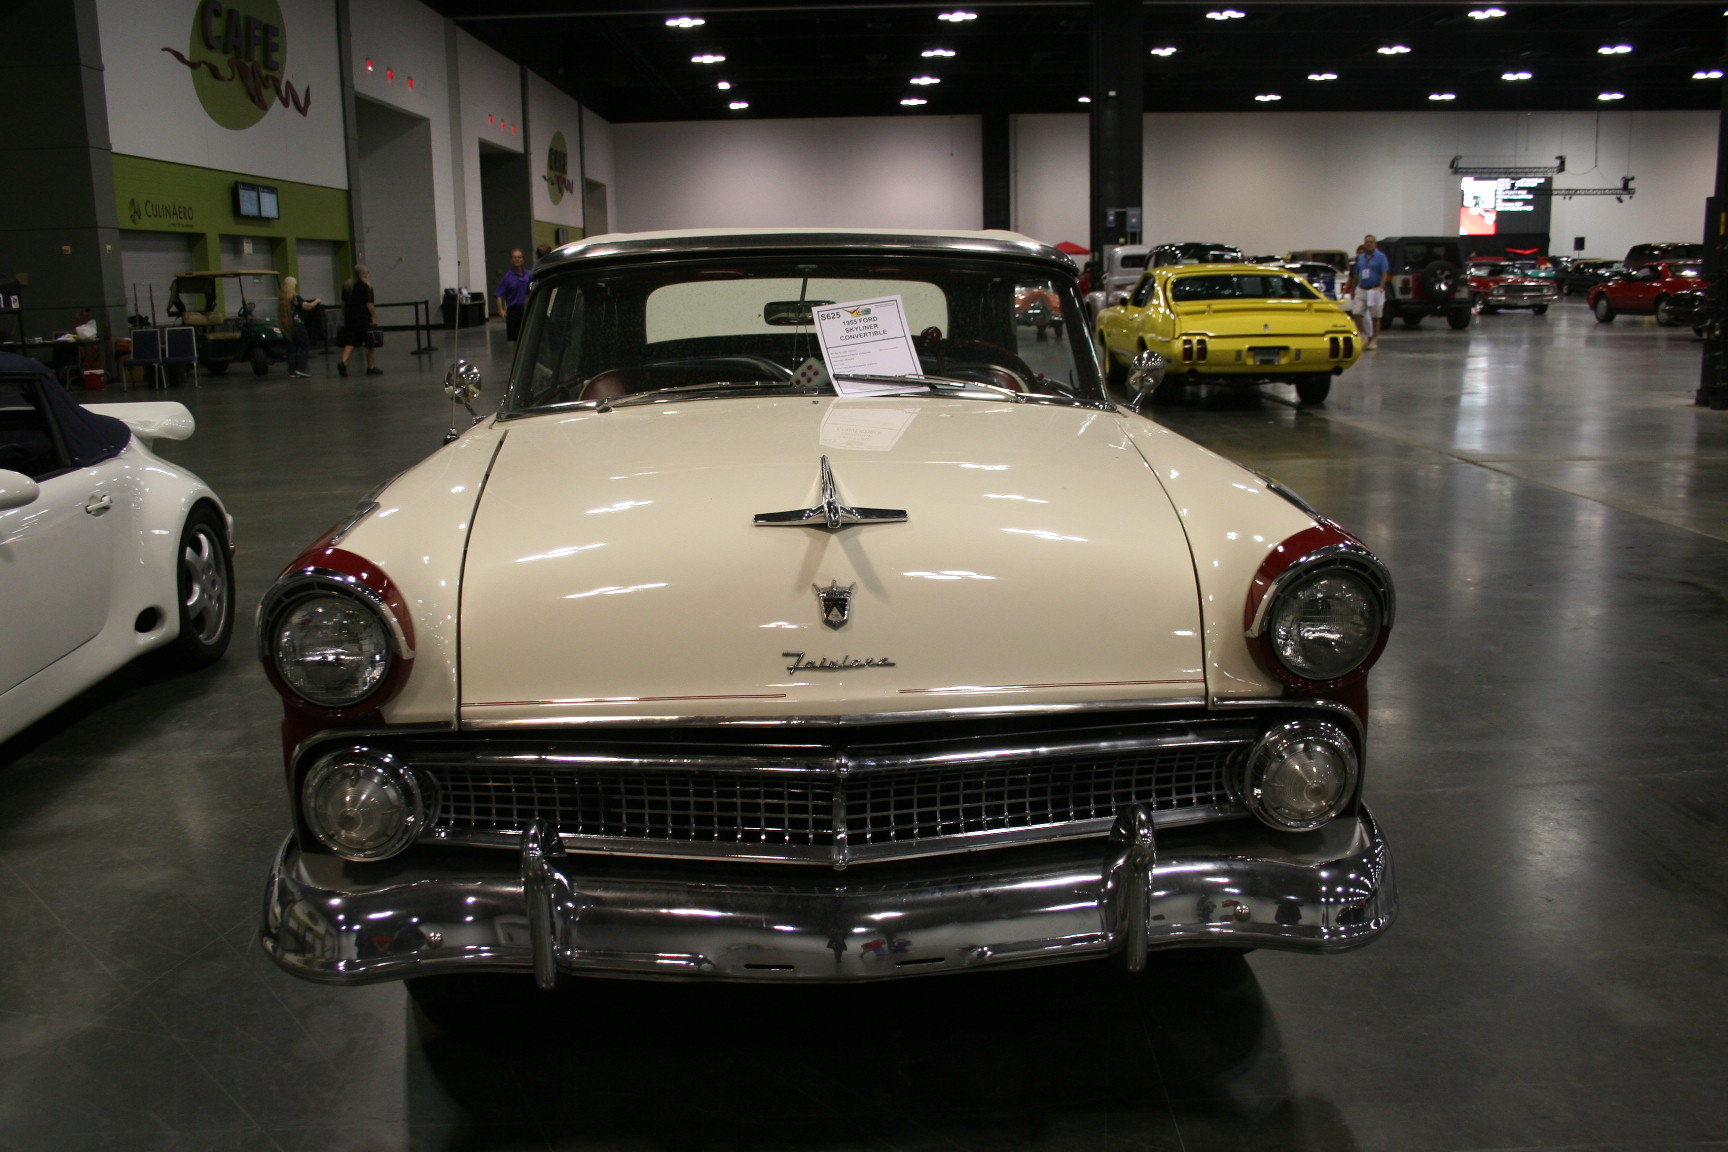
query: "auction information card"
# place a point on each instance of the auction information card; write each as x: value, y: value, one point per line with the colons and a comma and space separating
x: 867, y: 337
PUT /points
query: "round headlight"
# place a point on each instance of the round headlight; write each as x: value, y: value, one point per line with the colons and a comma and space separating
x: 362, y: 805
x: 1326, y: 624
x: 1300, y: 775
x: 331, y: 649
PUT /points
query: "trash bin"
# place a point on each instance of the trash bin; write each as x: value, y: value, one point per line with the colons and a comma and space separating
x: 473, y: 309
x: 95, y: 379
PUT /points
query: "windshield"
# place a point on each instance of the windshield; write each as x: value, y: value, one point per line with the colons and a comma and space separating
x: 1240, y: 286
x: 704, y: 327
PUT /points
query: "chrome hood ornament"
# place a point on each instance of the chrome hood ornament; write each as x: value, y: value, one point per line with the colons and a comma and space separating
x: 836, y: 602
x: 830, y: 513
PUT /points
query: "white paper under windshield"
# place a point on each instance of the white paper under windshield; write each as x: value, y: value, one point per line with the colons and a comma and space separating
x: 867, y: 337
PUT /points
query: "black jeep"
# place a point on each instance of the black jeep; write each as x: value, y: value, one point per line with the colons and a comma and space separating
x: 1427, y: 280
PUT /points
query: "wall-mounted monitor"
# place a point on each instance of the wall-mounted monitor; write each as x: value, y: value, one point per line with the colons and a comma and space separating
x: 256, y: 201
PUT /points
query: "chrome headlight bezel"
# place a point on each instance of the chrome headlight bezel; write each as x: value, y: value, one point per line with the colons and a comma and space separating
x: 293, y: 592
x: 416, y: 809
x: 1347, y: 559
x: 1277, y: 748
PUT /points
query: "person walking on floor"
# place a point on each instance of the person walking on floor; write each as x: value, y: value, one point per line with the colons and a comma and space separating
x: 292, y: 312
x: 1367, y: 290
x: 512, y: 294
x: 359, y: 314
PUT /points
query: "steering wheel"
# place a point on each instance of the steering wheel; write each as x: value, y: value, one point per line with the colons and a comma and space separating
x: 930, y: 342
x: 245, y: 312
x: 175, y: 307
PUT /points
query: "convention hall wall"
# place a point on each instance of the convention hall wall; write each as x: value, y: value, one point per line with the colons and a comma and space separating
x: 393, y: 180
x: 1267, y: 182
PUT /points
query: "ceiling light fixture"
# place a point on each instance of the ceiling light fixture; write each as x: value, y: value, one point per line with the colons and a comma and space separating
x: 708, y: 58
x: 1322, y: 75
x: 1442, y: 96
x: 1226, y: 14
x: 944, y: 53
x: 1486, y: 13
x: 1713, y: 74
x: 1514, y: 75
x: 685, y: 21
x: 1613, y: 49
x: 1085, y: 99
x: 1611, y: 96
x: 1393, y: 49
x: 724, y: 85
x: 1167, y: 51
x: 1268, y: 97
x: 739, y: 105
x: 958, y: 17
x: 926, y: 80
x: 914, y: 101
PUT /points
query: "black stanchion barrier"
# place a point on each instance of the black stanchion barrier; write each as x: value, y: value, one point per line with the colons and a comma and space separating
x: 422, y: 323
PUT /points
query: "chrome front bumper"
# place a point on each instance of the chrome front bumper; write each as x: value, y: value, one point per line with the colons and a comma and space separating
x: 1231, y: 884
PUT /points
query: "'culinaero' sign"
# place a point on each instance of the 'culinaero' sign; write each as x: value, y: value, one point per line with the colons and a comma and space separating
x: 238, y: 57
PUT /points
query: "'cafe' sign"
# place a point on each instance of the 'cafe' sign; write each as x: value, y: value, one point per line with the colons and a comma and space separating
x: 238, y: 56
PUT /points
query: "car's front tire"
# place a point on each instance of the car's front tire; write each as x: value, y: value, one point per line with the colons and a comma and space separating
x: 1458, y: 320
x: 260, y: 361
x: 1665, y: 313
x: 204, y: 585
x: 1412, y: 319
x: 1604, y: 311
x: 1539, y: 309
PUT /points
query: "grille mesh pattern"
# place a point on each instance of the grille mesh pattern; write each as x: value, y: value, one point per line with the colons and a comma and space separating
x: 883, y: 807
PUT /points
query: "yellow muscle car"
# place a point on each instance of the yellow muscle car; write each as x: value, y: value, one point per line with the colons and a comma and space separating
x: 1230, y: 324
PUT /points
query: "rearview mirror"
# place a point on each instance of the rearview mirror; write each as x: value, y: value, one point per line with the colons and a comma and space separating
x: 16, y: 490
x: 791, y: 313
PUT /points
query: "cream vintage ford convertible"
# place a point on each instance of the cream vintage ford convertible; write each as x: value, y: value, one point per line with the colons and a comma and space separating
x: 800, y: 616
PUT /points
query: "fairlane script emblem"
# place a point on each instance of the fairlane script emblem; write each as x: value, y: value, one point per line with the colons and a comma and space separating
x: 844, y: 664
x: 836, y: 602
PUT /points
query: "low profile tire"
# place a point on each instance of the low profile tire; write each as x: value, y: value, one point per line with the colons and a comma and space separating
x: 1115, y: 374
x: 1314, y: 387
x: 260, y: 361
x: 204, y: 585
x: 1539, y: 309
x: 1458, y: 321
x: 1412, y: 321
x: 1665, y: 313
x: 1604, y: 311
x: 214, y: 367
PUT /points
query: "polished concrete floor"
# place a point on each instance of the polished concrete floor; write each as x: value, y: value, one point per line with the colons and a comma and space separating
x: 1548, y: 761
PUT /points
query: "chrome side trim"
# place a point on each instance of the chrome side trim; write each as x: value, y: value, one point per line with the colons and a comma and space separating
x: 308, y: 579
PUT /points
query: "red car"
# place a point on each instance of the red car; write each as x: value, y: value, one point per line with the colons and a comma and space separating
x: 1674, y: 293
x: 1497, y: 286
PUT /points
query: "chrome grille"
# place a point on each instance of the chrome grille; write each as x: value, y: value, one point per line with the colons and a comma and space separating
x: 831, y: 809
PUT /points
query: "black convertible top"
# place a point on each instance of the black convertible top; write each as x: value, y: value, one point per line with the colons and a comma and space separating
x: 90, y: 438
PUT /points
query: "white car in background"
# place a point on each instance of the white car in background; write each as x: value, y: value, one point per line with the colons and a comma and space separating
x: 107, y: 551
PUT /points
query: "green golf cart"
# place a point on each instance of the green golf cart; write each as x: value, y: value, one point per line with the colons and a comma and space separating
x: 223, y: 340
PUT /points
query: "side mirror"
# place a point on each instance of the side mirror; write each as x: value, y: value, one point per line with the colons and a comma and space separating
x: 462, y: 382
x: 16, y: 490
x: 462, y: 385
x: 1144, y: 376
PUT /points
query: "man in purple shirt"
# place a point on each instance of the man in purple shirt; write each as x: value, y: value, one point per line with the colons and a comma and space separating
x: 512, y: 294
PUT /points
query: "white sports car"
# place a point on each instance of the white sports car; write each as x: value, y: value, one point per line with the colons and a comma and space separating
x: 107, y: 551
x: 800, y: 616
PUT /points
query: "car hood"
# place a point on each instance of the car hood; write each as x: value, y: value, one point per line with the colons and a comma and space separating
x: 614, y: 565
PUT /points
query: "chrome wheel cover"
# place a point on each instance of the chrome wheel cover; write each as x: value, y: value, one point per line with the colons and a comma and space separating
x: 204, y: 605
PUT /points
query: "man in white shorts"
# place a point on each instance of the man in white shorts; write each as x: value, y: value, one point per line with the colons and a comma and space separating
x: 1367, y: 290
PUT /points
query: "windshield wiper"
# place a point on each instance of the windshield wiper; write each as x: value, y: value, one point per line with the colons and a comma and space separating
x: 697, y: 391
x: 936, y: 384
